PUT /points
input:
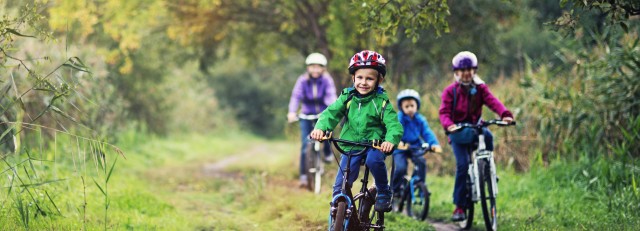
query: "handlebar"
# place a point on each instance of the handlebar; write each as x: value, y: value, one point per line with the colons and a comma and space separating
x: 419, y: 151
x: 484, y: 124
x: 308, y: 117
x: 367, y: 145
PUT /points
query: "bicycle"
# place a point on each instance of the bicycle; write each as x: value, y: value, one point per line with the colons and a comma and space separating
x: 355, y: 212
x: 314, y: 163
x: 481, y: 178
x: 413, y: 191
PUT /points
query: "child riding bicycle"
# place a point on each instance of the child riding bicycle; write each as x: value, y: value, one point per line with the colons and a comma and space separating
x: 367, y: 117
x: 313, y: 92
x: 462, y: 103
x: 416, y: 135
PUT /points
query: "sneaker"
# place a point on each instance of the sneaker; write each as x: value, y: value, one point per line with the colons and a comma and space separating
x: 328, y: 159
x: 383, y: 200
x: 458, y: 215
x: 303, y: 181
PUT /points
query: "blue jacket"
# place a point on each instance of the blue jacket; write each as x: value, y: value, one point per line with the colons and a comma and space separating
x: 416, y: 128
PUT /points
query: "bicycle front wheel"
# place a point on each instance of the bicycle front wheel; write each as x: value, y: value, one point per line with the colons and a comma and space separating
x: 311, y: 164
x: 338, y: 222
x: 418, y: 201
x: 487, y: 198
x: 468, y: 210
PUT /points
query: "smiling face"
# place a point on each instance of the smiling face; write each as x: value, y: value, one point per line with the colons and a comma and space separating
x: 409, y: 107
x: 315, y: 70
x: 466, y: 75
x: 365, y: 79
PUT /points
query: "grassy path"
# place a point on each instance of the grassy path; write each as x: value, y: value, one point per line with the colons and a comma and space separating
x: 233, y: 183
x: 239, y: 182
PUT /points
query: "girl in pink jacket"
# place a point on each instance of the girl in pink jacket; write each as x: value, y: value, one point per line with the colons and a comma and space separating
x: 462, y: 103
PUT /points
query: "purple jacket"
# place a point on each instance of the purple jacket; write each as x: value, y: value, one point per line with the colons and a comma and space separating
x: 463, y: 111
x: 313, y: 101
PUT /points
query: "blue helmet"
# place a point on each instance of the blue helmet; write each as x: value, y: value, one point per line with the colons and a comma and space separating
x: 464, y: 60
x: 406, y: 94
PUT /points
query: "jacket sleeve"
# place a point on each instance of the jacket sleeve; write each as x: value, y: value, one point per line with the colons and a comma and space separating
x: 296, y: 96
x: 330, y: 117
x: 393, y: 126
x: 446, y: 108
x: 426, y: 133
x: 493, y: 103
x: 330, y: 94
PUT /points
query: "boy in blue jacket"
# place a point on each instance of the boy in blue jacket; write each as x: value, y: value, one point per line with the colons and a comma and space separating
x: 417, y: 134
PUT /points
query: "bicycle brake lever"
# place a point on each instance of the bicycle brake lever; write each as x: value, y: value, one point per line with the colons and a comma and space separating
x: 377, y: 144
x: 326, y: 137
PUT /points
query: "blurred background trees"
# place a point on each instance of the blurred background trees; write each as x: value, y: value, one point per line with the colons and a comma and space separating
x: 195, y: 65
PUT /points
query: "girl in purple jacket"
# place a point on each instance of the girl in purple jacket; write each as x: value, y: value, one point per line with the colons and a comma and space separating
x: 313, y: 92
x: 470, y: 94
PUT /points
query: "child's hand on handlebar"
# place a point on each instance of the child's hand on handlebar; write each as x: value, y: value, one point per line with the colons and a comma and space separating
x: 452, y: 128
x: 386, y: 147
x: 507, y: 120
x: 292, y: 117
x: 316, y: 134
x: 436, y: 148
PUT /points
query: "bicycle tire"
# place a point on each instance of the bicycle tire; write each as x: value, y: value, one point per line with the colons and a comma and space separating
x: 366, y: 205
x: 338, y: 224
x: 418, y: 209
x: 468, y: 210
x: 399, y: 200
x: 489, y: 211
x: 380, y: 222
x: 310, y: 165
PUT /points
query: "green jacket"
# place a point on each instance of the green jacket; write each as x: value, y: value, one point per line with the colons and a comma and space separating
x: 365, y: 119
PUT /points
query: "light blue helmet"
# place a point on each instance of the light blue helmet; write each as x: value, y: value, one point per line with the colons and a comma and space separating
x: 406, y: 94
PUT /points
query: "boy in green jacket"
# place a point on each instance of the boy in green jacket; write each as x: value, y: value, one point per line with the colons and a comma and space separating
x: 367, y: 118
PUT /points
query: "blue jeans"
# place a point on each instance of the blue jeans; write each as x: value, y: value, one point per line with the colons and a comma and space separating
x: 461, y: 152
x: 400, y: 158
x: 375, y: 162
x: 305, y: 129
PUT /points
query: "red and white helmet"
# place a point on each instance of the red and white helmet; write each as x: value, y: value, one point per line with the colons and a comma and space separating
x: 367, y: 59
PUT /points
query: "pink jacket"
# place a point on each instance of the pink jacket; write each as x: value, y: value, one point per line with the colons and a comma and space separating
x: 463, y: 111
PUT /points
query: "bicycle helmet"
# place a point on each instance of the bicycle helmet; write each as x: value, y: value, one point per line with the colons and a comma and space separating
x: 316, y: 58
x: 464, y: 60
x: 406, y: 94
x: 367, y: 59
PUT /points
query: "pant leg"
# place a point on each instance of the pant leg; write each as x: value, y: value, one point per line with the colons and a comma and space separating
x: 305, y: 130
x: 462, y: 166
x: 488, y: 139
x: 421, y: 163
x: 375, y: 162
x: 400, y: 159
x: 353, y: 172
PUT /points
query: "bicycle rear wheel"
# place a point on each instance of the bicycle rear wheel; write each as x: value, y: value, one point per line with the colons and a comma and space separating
x: 418, y: 201
x: 368, y: 217
x: 487, y: 200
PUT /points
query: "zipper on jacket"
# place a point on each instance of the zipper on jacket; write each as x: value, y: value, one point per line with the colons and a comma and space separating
x: 315, y: 96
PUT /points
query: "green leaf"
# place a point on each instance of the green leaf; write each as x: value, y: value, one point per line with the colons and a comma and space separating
x: 17, y: 33
x: 111, y: 170
x: 101, y: 190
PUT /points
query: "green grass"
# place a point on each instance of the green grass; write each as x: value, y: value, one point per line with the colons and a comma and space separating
x: 169, y: 184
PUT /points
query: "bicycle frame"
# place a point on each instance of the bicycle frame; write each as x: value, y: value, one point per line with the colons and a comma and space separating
x: 344, y: 194
x: 476, y: 156
x: 479, y: 154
